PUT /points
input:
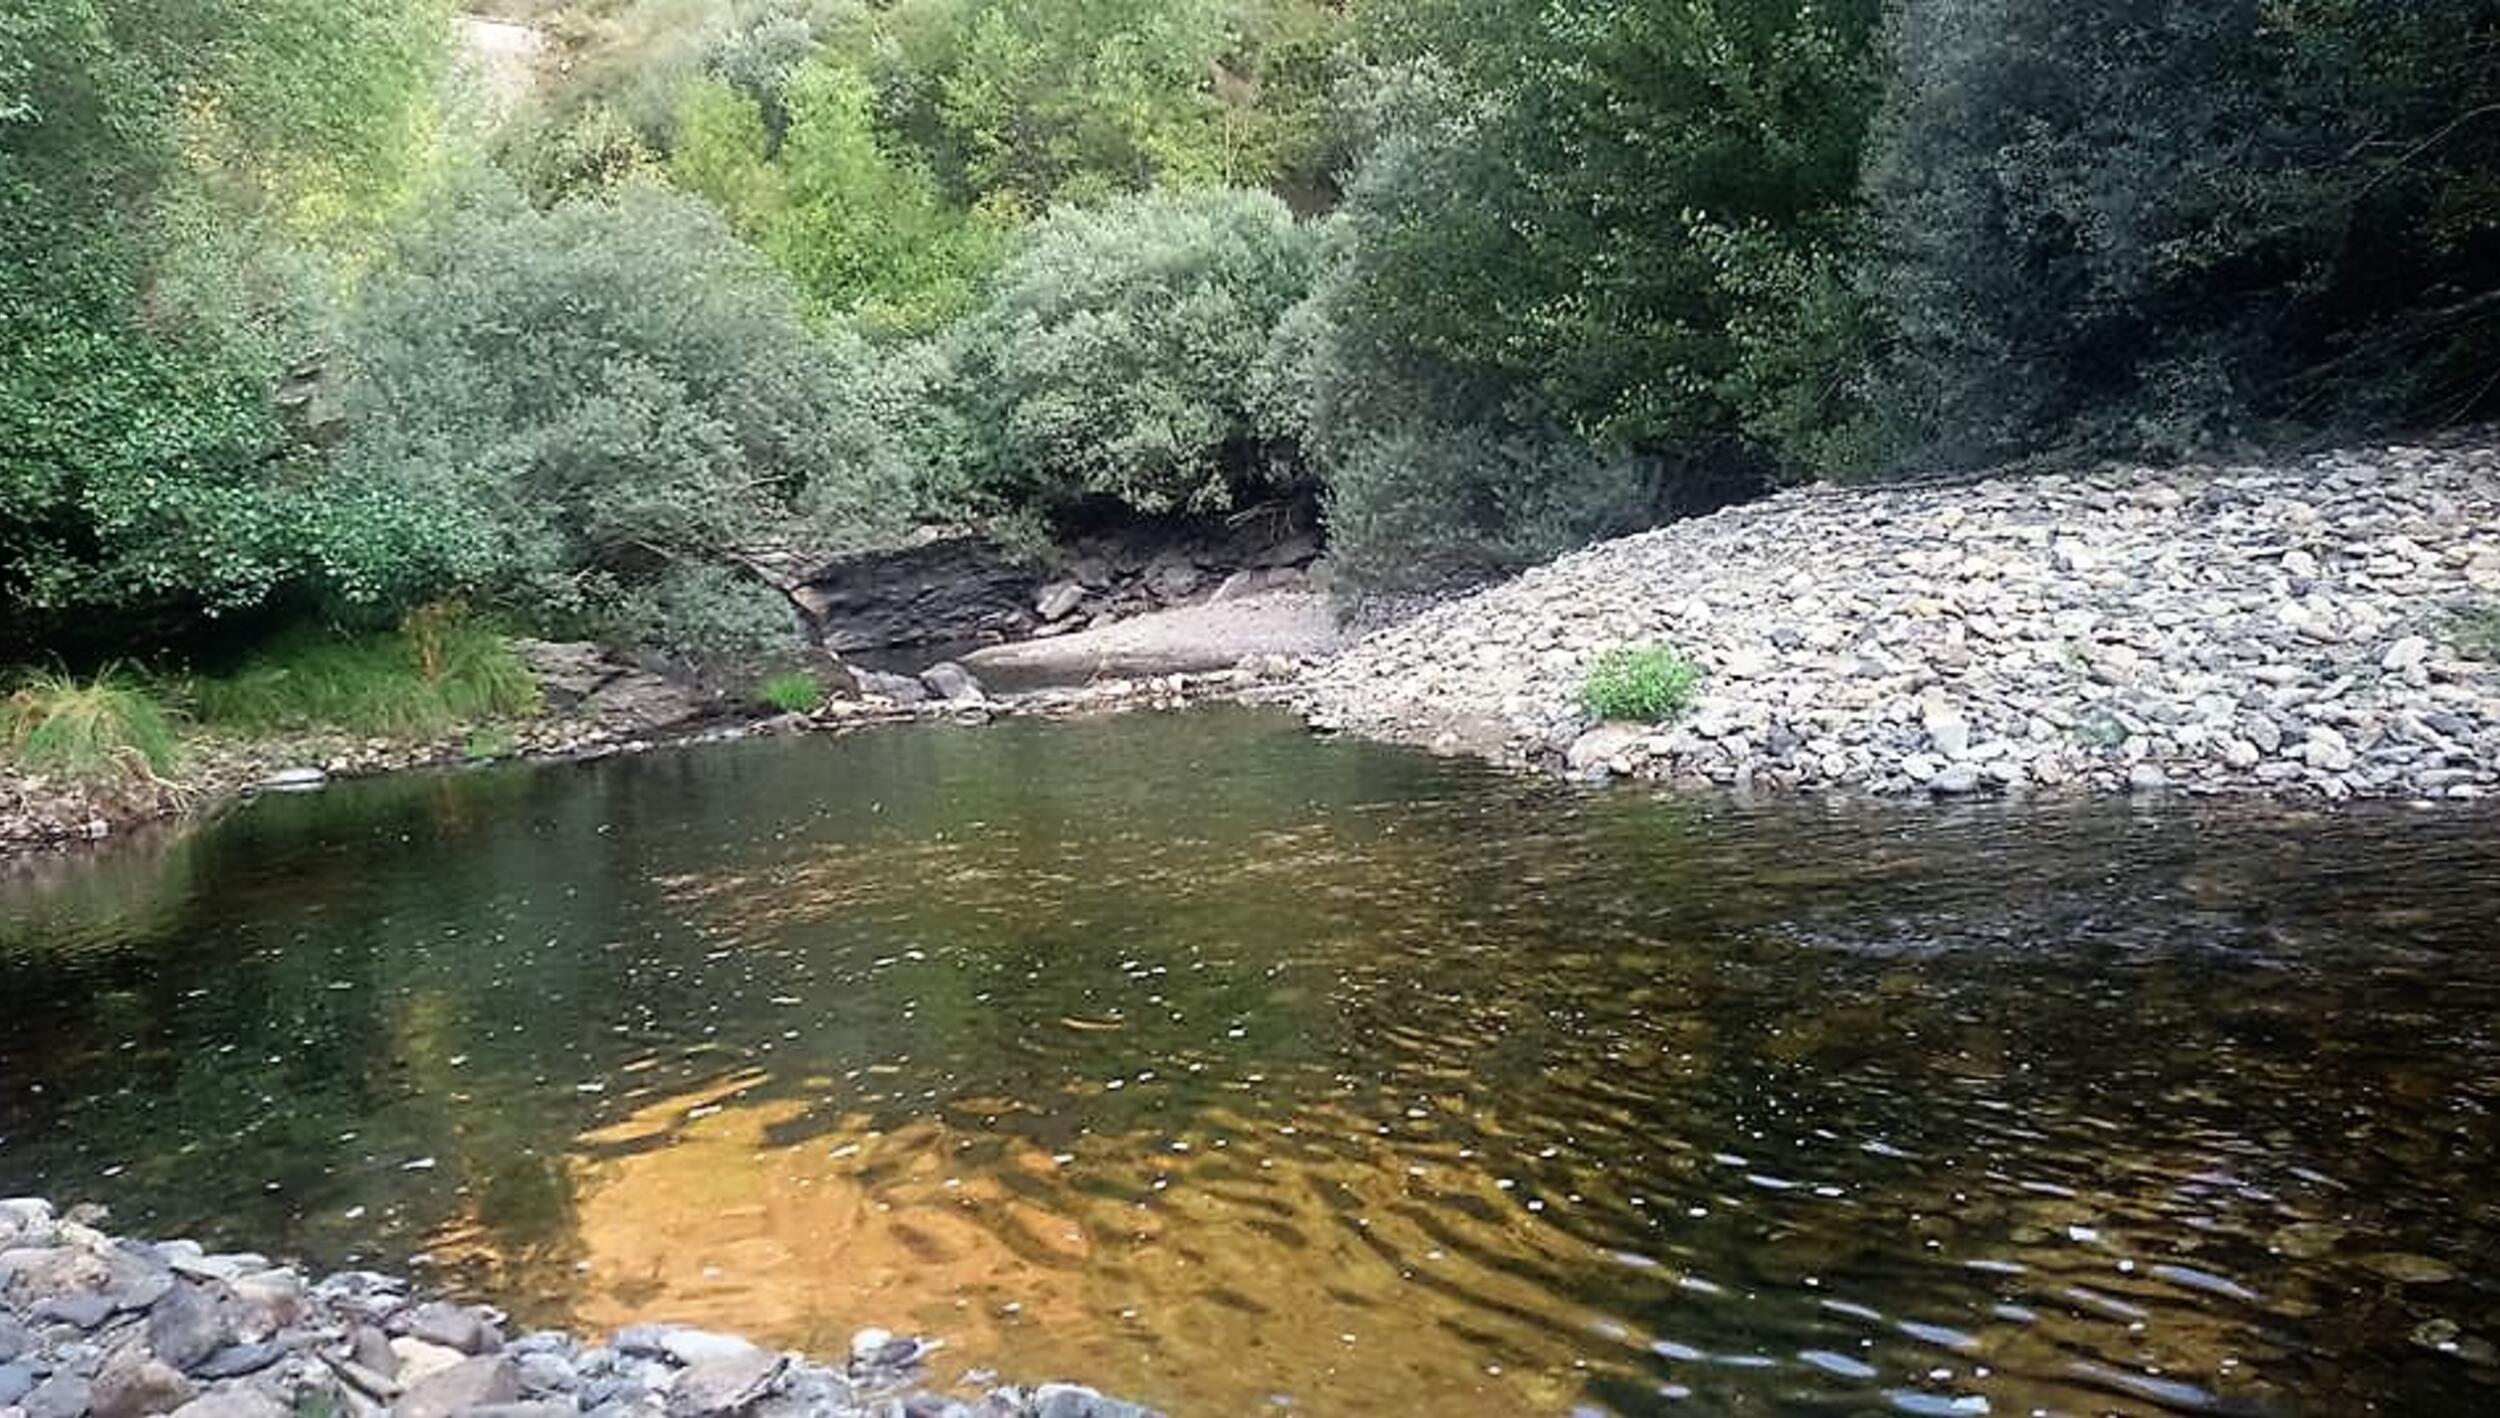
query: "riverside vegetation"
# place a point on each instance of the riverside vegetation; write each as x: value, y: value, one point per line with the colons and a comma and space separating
x: 305, y: 331
x: 383, y: 385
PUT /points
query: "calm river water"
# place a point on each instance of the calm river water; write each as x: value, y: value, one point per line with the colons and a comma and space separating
x: 1239, y: 1072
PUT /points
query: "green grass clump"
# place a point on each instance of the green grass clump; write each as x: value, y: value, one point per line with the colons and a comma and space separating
x: 2476, y: 630
x: 104, y: 727
x: 1645, y: 682
x: 439, y: 670
x: 791, y: 693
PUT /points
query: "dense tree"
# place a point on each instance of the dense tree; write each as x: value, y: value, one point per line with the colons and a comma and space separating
x: 169, y: 173
x: 1582, y: 271
x: 2158, y: 227
x: 863, y: 232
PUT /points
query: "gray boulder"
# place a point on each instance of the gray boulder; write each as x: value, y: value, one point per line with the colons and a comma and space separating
x: 953, y: 683
x: 471, y: 1383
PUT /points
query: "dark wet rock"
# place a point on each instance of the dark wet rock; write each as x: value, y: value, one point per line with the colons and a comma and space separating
x: 471, y: 1383
x: 724, y: 1383
x: 236, y: 1360
x: 942, y: 588
x: 133, y: 1385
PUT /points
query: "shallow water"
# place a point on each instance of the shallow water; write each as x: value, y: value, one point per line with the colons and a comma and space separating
x: 1235, y: 1071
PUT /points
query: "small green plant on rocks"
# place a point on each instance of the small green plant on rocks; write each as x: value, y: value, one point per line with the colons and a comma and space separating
x: 2476, y: 630
x: 100, y: 728
x: 484, y: 744
x: 1645, y: 682
x: 791, y: 693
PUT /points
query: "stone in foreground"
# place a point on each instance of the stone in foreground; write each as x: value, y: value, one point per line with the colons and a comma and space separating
x: 92, y: 1326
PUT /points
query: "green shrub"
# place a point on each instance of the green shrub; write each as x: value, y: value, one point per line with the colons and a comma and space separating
x: 551, y: 404
x: 437, y: 671
x: 791, y: 693
x: 1114, y: 354
x: 1646, y: 683
x: 108, y: 726
x: 709, y: 614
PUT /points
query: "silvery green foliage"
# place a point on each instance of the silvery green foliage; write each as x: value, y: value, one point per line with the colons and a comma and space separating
x: 1113, y: 355
x: 611, y: 388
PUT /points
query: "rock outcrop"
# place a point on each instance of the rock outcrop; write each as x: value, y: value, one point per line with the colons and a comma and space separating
x: 956, y: 588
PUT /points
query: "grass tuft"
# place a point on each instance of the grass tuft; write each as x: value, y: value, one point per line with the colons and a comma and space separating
x: 105, y: 727
x: 792, y: 692
x: 2475, y: 630
x: 1646, y: 683
x: 439, y: 670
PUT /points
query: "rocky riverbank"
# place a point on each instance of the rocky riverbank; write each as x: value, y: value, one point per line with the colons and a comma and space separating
x: 2323, y: 628
x: 96, y: 1326
x: 39, y: 812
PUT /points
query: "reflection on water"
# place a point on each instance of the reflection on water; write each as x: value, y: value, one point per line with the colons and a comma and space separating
x: 1236, y: 1071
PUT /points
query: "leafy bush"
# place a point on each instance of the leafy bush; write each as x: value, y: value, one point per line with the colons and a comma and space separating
x: 1114, y: 354
x: 556, y: 407
x: 438, y: 670
x: 791, y: 693
x: 2158, y: 228
x: 708, y: 613
x: 108, y: 726
x: 1645, y: 683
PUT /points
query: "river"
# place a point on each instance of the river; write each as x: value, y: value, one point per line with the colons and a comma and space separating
x: 1237, y: 1071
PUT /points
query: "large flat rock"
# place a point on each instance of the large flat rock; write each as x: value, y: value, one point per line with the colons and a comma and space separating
x: 1186, y: 640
